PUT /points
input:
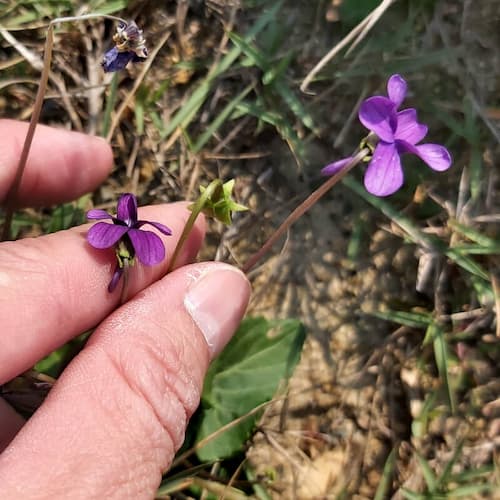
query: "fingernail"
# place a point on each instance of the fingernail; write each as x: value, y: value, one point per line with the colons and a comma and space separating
x: 217, y: 302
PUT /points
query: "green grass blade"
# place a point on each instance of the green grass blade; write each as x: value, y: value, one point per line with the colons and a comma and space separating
x: 441, y: 355
x: 294, y: 103
x: 429, y: 476
x: 221, y: 118
x: 386, y: 479
x: 110, y: 105
x: 272, y: 118
x: 108, y: 6
x: 412, y: 320
x: 474, y: 235
x: 411, y: 495
x: 277, y: 71
x: 470, y: 490
x: 184, y: 116
x: 445, y: 475
x: 253, y: 54
x: 416, y: 235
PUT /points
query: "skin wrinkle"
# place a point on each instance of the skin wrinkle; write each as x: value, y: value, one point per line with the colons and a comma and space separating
x: 166, y: 362
x: 174, y: 355
x: 122, y: 419
x: 188, y: 393
x: 153, y: 376
x: 161, y: 445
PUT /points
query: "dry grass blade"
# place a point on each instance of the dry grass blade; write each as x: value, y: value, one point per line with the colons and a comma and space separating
x: 360, y: 31
x: 223, y: 429
x: 37, y: 63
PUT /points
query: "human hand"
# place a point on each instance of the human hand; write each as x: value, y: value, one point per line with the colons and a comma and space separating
x: 113, y: 421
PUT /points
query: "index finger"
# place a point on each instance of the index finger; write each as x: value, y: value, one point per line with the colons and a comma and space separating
x: 62, y: 165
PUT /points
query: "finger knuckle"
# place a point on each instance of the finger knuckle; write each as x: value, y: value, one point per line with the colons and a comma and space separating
x: 158, y: 377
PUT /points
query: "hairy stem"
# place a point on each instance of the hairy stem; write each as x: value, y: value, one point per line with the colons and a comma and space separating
x: 302, y: 209
x: 11, y: 197
x: 195, y: 211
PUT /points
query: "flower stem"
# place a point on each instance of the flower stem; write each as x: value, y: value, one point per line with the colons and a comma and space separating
x: 196, y: 208
x: 124, y: 292
x: 10, y: 199
x: 303, y: 208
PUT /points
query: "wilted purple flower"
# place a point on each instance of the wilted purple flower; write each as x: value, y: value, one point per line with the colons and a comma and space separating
x: 114, y: 60
x: 130, y: 46
x: 126, y: 236
x: 398, y: 132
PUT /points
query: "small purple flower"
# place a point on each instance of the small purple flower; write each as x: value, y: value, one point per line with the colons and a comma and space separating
x: 130, y: 46
x: 114, y: 60
x: 398, y: 132
x: 126, y: 236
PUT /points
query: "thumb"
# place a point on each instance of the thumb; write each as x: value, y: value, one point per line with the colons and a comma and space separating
x: 112, y: 423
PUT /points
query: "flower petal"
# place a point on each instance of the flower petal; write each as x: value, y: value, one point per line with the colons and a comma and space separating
x: 126, y: 209
x: 436, y: 156
x: 103, y: 235
x: 97, y: 213
x: 384, y: 174
x: 162, y: 228
x: 114, y: 60
x: 396, y: 89
x: 408, y: 128
x: 148, y: 246
x: 115, y: 279
x: 335, y: 167
x: 378, y: 114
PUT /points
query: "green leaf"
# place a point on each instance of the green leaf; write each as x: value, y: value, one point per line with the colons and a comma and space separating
x: 245, y: 375
x: 64, y: 217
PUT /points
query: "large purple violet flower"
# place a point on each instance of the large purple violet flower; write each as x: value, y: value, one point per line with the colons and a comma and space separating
x: 398, y: 132
x: 126, y: 236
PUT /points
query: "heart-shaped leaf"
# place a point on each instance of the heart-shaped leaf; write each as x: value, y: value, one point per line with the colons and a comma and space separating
x: 247, y: 373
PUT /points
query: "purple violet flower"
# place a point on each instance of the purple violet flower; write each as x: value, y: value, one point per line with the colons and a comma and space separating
x: 126, y: 236
x: 398, y: 132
